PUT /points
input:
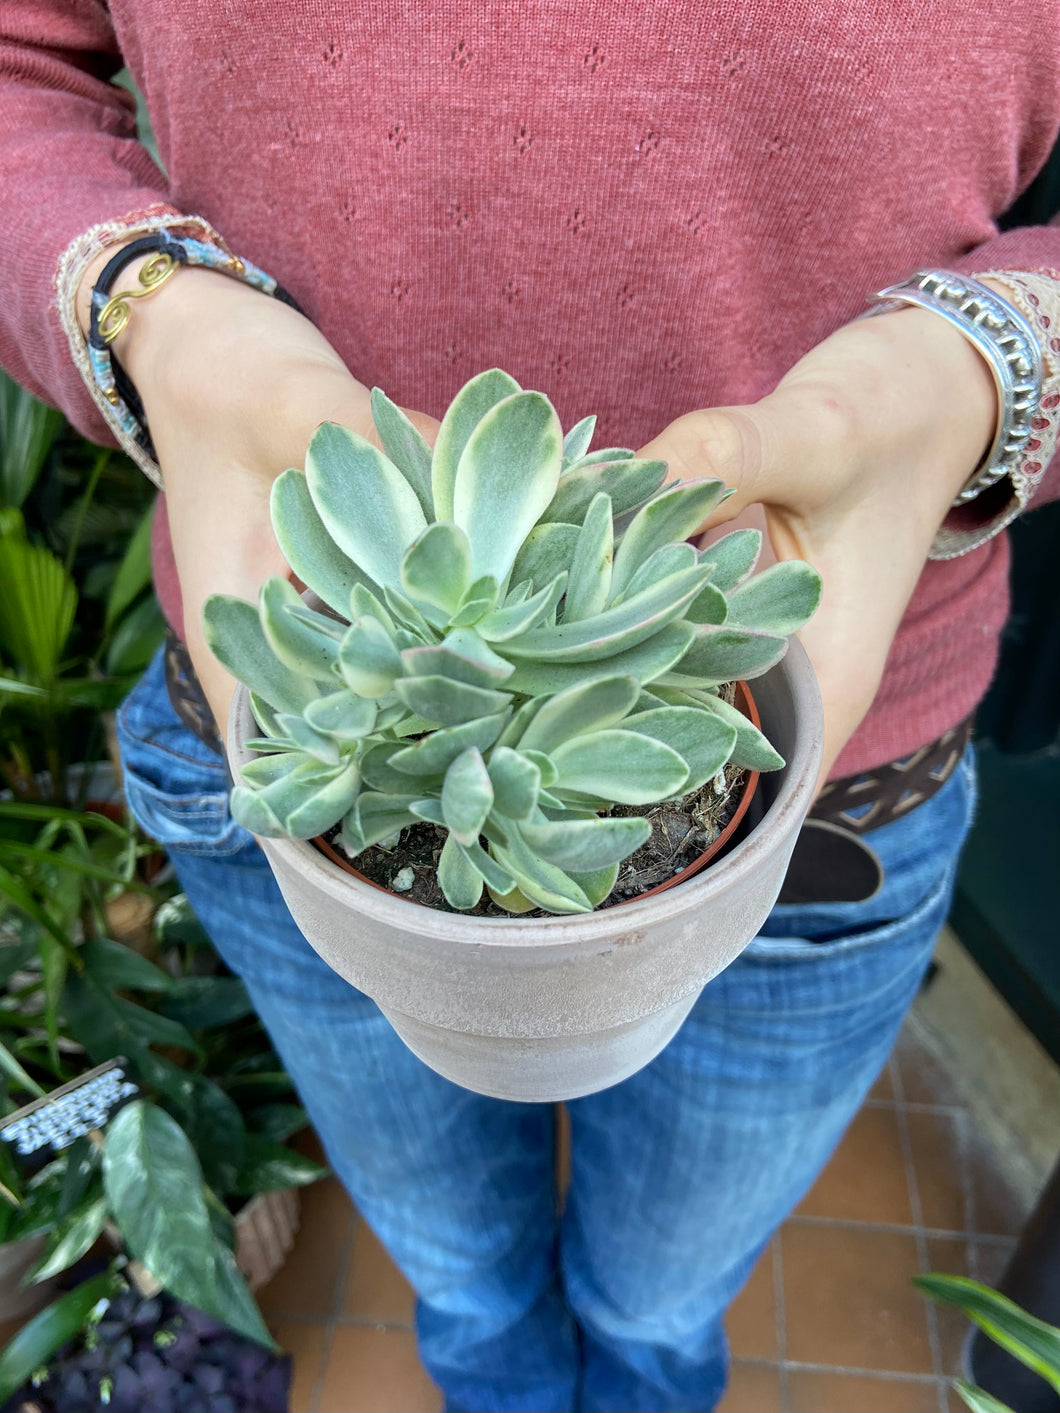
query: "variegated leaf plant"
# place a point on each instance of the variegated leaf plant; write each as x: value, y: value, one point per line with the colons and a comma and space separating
x: 516, y: 636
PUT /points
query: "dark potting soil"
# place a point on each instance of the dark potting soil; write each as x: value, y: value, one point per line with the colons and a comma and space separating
x: 680, y: 831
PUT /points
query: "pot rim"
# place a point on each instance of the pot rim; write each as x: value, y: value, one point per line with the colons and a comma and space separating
x: 347, y: 890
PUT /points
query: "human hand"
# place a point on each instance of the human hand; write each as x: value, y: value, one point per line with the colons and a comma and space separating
x: 233, y: 385
x: 853, y: 462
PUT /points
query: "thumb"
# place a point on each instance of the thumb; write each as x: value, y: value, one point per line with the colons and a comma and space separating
x: 737, y: 445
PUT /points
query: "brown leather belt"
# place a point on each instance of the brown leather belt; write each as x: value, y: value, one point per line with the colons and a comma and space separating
x: 831, y: 863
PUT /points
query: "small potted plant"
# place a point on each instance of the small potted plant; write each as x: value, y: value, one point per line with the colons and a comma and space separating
x: 507, y: 655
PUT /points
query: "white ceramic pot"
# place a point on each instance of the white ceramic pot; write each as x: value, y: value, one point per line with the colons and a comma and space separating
x: 553, y: 1008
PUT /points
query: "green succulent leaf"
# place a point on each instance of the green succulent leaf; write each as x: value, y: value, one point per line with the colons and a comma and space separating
x: 523, y: 435
x: 674, y: 515
x: 779, y: 600
x: 597, y: 883
x: 495, y: 877
x: 444, y: 702
x: 617, y: 628
x: 234, y: 635
x: 308, y: 547
x: 374, y: 817
x: 703, y: 741
x: 377, y: 771
x: 458, y: 878
x: 405, y: 447
x: 478, y: 665
x: 607, y: 453
x: 436, y: 752
x: 647, y: 661
x: 436, y: 569
x: 544, y: 764
x: 752, y: 750
x: 583, y: 845
x: 709, y: 606
x: 588, y: 706
x: 734, y: 556
x: 368, y: 660
x: 346, y: 471
x: 667, y: 560
x: 463, y: 415
x: 322, y: 748
x: 343, y: 716
x: 250, y: 810
x: 516, y: 781
x: 430, y: 809
x: 296, y: 642
x: 576, y: 442
x: 263, y: 771
x: 621, y: 767
x: 545, y: 553
x: 723, y: 654
x: 312, y: 797
x: 589, y: 582
x: 467, y: 796
x: 365, y: 604
x: 629, y: 482
x: 543, y: 883
x: 504, y: 624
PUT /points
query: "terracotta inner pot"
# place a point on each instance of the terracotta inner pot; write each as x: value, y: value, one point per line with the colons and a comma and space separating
x: 746, y: 703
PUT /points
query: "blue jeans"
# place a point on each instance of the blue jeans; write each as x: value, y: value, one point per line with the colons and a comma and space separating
x: 679, y: 1175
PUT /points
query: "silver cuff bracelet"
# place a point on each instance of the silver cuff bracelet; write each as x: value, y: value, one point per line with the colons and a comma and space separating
x: 1007, y: 342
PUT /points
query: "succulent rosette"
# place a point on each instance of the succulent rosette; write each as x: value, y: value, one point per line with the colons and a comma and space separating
x: 514, y: 637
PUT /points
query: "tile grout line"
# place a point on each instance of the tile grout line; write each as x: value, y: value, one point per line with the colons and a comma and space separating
x: 341, y: 1281
x: 904, y: 1229
x: 780, y: 1322
x: 806, y: 1366
x: 905, y: 1144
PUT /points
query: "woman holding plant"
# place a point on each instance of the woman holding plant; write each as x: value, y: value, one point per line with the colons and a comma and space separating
x: 672, y: 219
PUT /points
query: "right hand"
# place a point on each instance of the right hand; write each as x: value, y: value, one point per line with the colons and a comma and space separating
x: 233, y: 385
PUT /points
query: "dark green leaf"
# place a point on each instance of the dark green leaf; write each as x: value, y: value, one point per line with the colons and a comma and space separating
x: 155, y: 1189
x: 134, y: 571
x: 72, y: 1236
x: 120, y: 968
x: 277, y: 1121
x: 199, y: 1002
x: 47, y: 1332
x: 269, y: 1166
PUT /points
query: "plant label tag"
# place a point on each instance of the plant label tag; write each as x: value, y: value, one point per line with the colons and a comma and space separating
x: 39, y: 1132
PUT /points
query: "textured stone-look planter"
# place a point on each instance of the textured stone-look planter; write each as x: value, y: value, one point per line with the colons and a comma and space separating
x: 265, y: 1232
x: 553, y: 1008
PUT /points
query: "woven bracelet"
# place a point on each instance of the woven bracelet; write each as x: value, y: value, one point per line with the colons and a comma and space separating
x: 110, y: 312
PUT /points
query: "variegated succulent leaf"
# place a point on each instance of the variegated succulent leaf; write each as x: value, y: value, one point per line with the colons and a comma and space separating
x: 516, y: 637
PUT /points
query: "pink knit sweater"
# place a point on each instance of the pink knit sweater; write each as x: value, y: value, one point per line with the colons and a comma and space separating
x: 639, y: 209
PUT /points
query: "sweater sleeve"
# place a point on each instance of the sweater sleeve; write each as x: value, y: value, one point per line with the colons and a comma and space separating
x: 70, y: 163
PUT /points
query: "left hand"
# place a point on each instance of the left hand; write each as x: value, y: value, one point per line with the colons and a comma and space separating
x: 854, y: 461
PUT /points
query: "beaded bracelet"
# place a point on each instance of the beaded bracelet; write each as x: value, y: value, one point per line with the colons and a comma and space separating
x: 110, y: 313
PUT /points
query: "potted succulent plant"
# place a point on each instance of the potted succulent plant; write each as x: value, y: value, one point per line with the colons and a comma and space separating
x: 509, y: 650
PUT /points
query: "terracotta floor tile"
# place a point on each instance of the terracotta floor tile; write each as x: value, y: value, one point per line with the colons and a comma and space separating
x: 309, y: 1279
x: 884, y: 1086
x: 376, y: 1371
x: 304, y: 1341
x: 753, y: 1388
x: 938, y: 1162
x: 865, y: 1180
x: 923, y: 1079
x: 375, y: 1288
x: 814, y: 1392
x: 752, y: 1319
x: 848, y: 1300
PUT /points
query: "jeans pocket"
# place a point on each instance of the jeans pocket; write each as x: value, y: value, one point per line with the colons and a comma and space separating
x: 176, y: 788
